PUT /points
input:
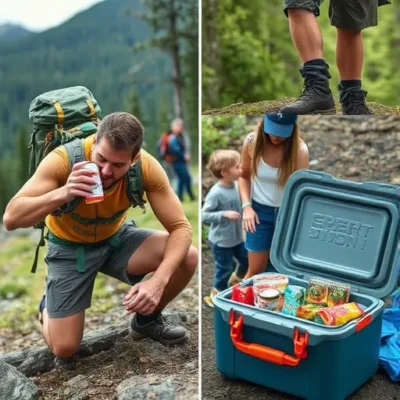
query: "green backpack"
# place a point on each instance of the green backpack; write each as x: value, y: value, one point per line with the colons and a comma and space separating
x: 64, y: 117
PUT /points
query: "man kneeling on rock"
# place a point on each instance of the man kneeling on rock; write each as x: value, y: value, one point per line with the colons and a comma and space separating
x: 97, y: 238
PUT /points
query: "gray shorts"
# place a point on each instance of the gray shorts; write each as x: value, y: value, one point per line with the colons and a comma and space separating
x: 69, y: 291
x: 343, y: 14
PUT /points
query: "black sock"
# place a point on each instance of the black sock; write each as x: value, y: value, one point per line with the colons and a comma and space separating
x: 317, y: 61
x: 350, y: 83
x: 145, y: 319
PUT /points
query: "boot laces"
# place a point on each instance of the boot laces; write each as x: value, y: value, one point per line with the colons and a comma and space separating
x: 353, y: 99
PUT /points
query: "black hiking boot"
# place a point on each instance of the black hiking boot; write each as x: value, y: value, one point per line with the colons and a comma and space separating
x: 316, y: 96
x: 353, y: 101
x: 158, y: 329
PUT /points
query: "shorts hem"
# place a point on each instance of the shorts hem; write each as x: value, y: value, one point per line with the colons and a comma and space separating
x: 257, y: 250
x: 368, y: 24
x: 66, y: 313
x: 315, y: 11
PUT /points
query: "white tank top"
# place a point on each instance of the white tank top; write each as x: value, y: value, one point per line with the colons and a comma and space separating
x: 265, y: 188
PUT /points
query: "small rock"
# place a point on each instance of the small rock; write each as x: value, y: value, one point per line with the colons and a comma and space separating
x: 78, y: 382
x: 107, y: 320
x: 353, y: 171
x: 139, y: 387
x: 395, y: 179
x: 109, y: 383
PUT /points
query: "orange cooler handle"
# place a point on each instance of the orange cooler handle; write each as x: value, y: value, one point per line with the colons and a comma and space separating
x: 266, y: 353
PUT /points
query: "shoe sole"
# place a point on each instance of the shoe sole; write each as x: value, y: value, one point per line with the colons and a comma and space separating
x: 323, y: 112
x: 136, y: 336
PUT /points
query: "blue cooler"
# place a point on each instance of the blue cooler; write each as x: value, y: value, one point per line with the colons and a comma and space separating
x: 330, y: 228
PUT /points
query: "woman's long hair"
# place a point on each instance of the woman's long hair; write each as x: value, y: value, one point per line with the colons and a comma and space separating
x: 291, y: 145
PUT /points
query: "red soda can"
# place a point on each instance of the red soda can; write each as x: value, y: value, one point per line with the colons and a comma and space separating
x: 243, y: 294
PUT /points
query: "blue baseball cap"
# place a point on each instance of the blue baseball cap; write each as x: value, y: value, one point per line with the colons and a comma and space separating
x: 279, y: 124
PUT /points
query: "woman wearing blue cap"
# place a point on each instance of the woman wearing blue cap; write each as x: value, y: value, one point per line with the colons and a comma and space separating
x: 269, y: 156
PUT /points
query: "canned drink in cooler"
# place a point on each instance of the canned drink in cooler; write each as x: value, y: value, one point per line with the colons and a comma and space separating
x: 269, y: 299
x: 97, y: 189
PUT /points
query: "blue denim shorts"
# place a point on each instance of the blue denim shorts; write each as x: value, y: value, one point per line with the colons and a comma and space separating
x: 261, y: 239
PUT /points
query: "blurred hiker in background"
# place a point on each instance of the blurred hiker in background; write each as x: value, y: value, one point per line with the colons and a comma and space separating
x: 178, y: 148
x: 349, y: 18
x: 166, y: 157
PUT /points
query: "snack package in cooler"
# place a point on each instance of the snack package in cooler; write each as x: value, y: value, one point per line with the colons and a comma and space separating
x: 317, y: 292
x: 294, y: 298
x: 339, y: 315
x: 308, y: 311
x: 338, y: 293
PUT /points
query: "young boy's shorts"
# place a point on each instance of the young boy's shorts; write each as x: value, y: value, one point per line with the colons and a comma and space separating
x: 261, y: 239
x: 343, y: 14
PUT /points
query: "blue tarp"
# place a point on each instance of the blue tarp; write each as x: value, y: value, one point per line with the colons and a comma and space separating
x: 389, y: 354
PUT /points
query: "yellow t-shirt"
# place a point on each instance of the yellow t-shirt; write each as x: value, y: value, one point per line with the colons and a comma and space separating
x: 68, y: 227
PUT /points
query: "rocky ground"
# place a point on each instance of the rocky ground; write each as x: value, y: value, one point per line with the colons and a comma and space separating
x: 271, y: 106
x: 124, y: 370
x: 357, y: 149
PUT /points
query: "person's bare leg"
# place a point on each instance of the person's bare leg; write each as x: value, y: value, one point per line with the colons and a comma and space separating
x: 349, y: 54
x: 63, y: 335
x: 349, y: 59
x: 257, y: 263
x: 306, y: 34
x: 148, y: 257
x: 316, y: 96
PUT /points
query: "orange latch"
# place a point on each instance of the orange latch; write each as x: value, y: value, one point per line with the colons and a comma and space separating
x: 266, y: 353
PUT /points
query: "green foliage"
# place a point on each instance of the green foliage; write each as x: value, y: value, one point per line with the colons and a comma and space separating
x: 175, y: 25
x: 248, y: 54
x: 95, y: 49
x: 218, y: 131
x: 12, y: 290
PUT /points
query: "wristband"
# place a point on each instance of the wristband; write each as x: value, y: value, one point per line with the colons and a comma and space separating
x: 246, y: 204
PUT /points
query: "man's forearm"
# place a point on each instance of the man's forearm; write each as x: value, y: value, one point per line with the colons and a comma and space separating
x: 176, y: 249
x: 24, y: 212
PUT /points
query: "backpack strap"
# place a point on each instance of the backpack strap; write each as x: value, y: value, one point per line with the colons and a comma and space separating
x: 135, y: 189
x: 75, y: 153
x: 41, y: 243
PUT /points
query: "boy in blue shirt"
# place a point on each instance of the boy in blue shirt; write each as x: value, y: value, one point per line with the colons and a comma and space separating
x: 222, y: 210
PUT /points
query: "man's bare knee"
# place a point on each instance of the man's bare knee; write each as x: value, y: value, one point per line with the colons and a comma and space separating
x: 65, y: 350
x: 65, y: 334
x: 191, y: 259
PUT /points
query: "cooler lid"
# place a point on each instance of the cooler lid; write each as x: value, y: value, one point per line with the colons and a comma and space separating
x: 339, y: 230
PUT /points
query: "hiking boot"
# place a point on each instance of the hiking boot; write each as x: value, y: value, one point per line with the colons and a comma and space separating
x: 316, y: 96
x: 158, y: 329
x: 353, y: 101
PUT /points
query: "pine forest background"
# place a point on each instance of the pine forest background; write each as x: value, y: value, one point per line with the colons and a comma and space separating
x: 139, y: 56
x: 248, y: 55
